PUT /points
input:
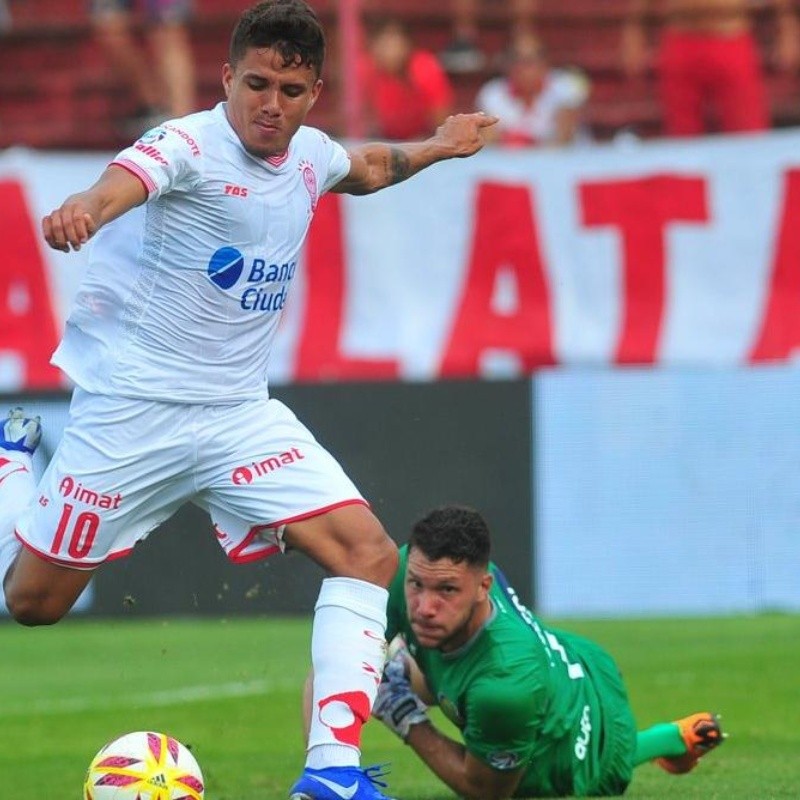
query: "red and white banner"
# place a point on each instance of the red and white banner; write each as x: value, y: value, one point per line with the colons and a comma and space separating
x: 665, y: 253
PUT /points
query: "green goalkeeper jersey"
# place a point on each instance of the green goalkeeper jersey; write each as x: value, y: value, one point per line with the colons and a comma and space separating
x: 522, y: 694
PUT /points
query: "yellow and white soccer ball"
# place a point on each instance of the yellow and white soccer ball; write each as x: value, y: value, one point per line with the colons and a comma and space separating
x: 144, y: 765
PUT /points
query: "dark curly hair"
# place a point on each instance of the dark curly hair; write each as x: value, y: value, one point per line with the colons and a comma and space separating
x: 459, y: 533
x: 290, y: 27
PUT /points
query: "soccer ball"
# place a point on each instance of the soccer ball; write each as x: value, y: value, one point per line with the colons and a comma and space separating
x: 144, y: 766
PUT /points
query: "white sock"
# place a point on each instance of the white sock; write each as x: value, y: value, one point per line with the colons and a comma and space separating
x: 17, y: 490
x: 347, y: 651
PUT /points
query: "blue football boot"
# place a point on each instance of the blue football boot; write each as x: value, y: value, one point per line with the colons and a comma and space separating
x: 20, y: 433
x: 340, y: 783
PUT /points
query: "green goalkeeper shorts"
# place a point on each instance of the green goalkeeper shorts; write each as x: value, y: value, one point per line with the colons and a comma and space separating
x: 619, y: 744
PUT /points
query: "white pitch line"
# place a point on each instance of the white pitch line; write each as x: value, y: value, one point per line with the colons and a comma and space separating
x: 165, y: 697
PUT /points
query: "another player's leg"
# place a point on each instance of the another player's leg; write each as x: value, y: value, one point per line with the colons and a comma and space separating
x: 282, y: 489
x: 113, y: 28
x: 678, y: 746
x: 120, y: 469
x: 37, y: 592
x: 19, y: 437
x: 347, y: 649
x: 172, y: 48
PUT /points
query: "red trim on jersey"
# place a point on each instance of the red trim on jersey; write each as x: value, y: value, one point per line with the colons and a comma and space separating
x: 137, y: 172
x: 279, y: 160
x: 119, y: 554
x: 19, y: 468
x: 268, y: 550
x: 64, y: 562
x: 235, y: 554
x: 256, y: 555
x: 318, y: 511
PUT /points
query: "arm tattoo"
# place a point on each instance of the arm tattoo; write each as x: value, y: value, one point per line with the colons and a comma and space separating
x: 400, y: 166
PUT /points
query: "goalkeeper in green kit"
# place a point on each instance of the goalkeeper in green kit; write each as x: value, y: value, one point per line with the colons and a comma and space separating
x: 542, y: 713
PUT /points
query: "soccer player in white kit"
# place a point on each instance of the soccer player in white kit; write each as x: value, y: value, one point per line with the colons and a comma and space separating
x: 197, y: 229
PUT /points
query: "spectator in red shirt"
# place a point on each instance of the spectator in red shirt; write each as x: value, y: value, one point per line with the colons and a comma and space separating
x: 407, y: 93
x: 709, y: 64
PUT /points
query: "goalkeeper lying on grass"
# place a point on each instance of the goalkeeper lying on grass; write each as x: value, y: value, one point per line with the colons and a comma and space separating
x: 541, y: 712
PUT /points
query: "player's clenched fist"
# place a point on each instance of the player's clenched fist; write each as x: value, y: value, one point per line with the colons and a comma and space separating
x: 81, y: 215
x: 69, y: 226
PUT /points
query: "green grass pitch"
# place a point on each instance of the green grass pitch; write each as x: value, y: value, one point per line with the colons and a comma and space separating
x: 231, y: 689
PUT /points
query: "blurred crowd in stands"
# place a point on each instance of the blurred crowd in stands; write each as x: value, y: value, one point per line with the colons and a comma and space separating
x: 703, y: 58
x: 160, y: 75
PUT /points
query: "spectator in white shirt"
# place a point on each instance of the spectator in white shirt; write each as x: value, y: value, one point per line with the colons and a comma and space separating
x: 537, y: 104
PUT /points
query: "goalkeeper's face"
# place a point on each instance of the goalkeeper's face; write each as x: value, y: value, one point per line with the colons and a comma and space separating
x: 447, y: 601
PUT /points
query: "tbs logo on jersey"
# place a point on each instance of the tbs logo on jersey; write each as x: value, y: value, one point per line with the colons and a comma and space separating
x: 255, y: 281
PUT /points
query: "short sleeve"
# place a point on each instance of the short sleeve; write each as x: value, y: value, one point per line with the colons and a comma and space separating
x: 166, y: 158
x: 337, y: 160
x: 503, y: 716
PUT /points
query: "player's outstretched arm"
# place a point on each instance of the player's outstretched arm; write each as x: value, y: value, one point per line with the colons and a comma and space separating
x: 375, y: 166
x: 81, y: 215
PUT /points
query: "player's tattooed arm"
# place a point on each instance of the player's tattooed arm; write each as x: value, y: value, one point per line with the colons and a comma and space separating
x: 400, y: 165
x: 376, y: 166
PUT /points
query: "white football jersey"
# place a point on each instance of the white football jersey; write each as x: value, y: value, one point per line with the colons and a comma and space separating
x: 182, y: 295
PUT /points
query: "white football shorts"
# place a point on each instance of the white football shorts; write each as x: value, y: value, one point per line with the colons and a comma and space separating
x: 125, y: 465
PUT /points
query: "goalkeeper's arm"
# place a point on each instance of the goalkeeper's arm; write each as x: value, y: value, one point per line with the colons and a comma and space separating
x: 454, y: 765
x: 403, y: 711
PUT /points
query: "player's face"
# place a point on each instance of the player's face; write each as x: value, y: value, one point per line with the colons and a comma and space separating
x: 268, y: 99
x: 447, y: 601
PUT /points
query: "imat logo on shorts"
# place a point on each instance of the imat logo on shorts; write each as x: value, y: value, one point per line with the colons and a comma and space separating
x: 258, y: 469
x: 75, y: 490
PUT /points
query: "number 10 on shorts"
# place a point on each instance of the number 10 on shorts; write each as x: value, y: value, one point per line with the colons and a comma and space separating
x: 81, y: 532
